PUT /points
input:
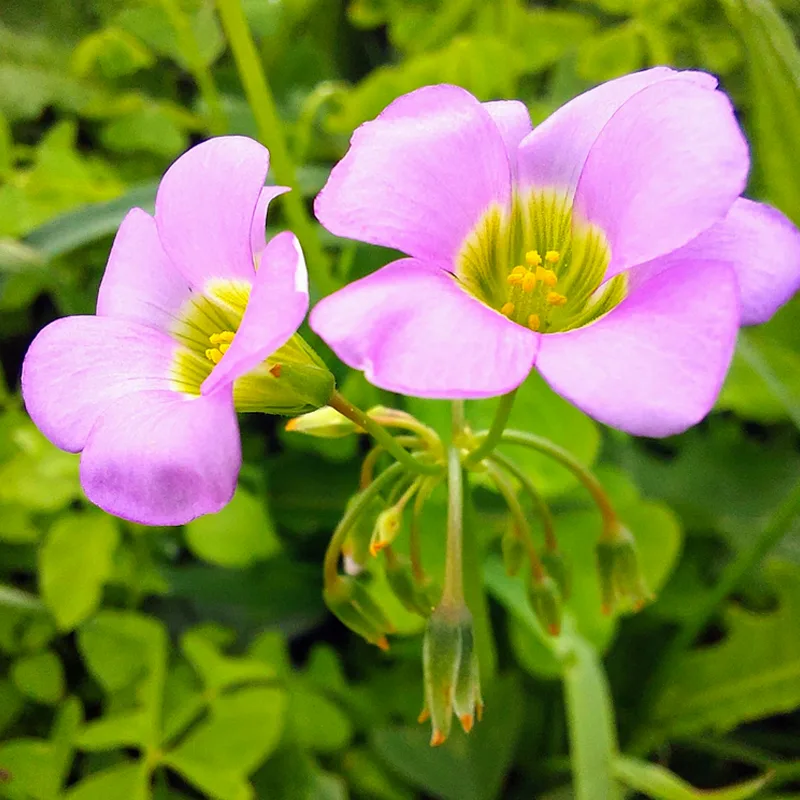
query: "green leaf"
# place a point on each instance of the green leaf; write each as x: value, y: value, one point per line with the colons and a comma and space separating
x: 316, y: 723
x: 237, y: 536
x: 219, y: 671
x: 74, y: 563
x: 114, y: 658
x: 128, y: 780
x: 111, y: 52
x: 754, y: 672
x: 151, y: 129
x: 658, y: 782
x: 774, y: 71
x: 590, y: 715
x: 612, y: 53
x: 40, y: 677
x: 11, y: 704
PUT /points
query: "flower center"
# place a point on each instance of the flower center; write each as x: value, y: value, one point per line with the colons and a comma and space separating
x: 501, y: 265
x: 222, y: 340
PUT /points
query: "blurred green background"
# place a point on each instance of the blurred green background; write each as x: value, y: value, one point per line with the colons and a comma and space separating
x: 200, y: 662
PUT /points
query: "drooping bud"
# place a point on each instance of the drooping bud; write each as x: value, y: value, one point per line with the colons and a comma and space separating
x: 324, y: 423
x: 387, y: 526
x: 357, y: 543
x: 451, y: 671
x: 621, y: 577
x: 558, y: 569
x: 513, y: 550
x: 415, y: 597
x: 350, y: 601
x: 545, y: 599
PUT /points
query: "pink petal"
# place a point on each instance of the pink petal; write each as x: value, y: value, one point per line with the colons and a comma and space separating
x: 258, y: 230
x: 77, y: 366
x: 668, y: 165
x: 654, y: 365
x: 205, y: 207
x: 514, y: 123
x: 419, y: 176
x: 411, y: 329
x: 140, y: 283
x: 278, y: 303
x: 759, y: 243
x: 554, y: 154
x: 162, y: 458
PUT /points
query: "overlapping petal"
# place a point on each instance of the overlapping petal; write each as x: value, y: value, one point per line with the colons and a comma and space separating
x: 655, y: 364
x: 514, y: 123
x: 77, y: 366
x: 411, y: 329
x: 419, y: 176
x: 669, y: 164
x: 759, y: 243
x: 162, y: 458
x: 205, y: 208
x: 554, y: 154
x: 258, y: 229
x: 278, y: 303
x: 140, y: 283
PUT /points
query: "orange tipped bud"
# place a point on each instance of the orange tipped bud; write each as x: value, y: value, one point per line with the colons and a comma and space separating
x: 467, y: 721
x: 324, y: 423
x: 424, y: 716
x: 438, y: 738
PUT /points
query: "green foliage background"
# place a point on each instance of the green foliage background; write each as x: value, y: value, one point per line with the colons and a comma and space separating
x: 200, y: 662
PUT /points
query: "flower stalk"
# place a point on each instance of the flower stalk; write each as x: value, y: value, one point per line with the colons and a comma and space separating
x: 495, y: 433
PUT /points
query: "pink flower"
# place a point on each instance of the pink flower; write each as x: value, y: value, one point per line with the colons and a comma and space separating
x: 609, y: 248
x: 146, y: 389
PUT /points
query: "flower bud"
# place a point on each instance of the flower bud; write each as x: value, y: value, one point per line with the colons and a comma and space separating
x: 387, y: 526
x: 513, y: 551
x: 415, y: 597
x: 620, y: 575
x: 349, y: 600
x: 324, y: 423
x: 451, y: 671
x: 558, y: 569
x: 357, y: 543
x: 545, y: 599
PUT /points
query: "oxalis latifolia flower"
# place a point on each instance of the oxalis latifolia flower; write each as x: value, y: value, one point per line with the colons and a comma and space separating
x: 609, y: 248
x: 196, y: 317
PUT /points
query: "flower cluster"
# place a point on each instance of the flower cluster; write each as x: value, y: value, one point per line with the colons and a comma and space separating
x: 609, y: 248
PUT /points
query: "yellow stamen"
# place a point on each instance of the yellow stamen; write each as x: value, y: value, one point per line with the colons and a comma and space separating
x: 222, y: 337
x: 546, y: 276
x: 507, y: 310
x: 552, y: 256
x: 533, y: 258
x: 555, y: 299
x: 223, y: 348
x: 519, y: 270
x: 514, y: 279
x: 213, y: 355
x: 529, y: 282
x: 534, y: 323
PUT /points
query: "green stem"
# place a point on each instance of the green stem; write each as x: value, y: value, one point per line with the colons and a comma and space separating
x: 538, y: 501
x: 781, y: 522
x: 381, y: 435
x: 331, y: 563
x: 510, y: 496
x: 453, y: 590
x: 189, y: 48
x: 495, y: 433
x: 566, y: 459
x: 271, y: 132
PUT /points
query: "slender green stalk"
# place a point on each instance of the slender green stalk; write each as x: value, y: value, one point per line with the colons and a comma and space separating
x: 371, y: 458
x: 331, y: 563
x: 271, y: 132
x: 494, y: 434
x: 201, y: 72
x: 781, y: 522
x: 538, y: 501
x: 566, y: 459
x: 381, y: 435
x: 453, y: 590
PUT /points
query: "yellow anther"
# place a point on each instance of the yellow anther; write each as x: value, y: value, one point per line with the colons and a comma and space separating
x: 533, y: 258
x: 534, y: 323
x: 223, y: 348
x: 552, y: 256
x: 222, y: 337
x: 507, y: 310
x: 213, y: 355
x: 519, y: 270
x: 555, y: 299
x: 529, y: 282
x: 546, y: 276
x: 515, y: 279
